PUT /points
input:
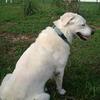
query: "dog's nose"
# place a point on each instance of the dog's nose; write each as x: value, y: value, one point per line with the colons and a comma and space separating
x: 93, y: 31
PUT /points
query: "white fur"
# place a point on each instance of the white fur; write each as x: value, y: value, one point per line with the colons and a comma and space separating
x: 46, y: 57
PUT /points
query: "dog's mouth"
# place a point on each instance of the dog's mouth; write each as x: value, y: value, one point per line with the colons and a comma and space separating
x: 83, y: 37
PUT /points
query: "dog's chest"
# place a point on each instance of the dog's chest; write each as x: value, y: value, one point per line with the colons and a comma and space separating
x: 61, y: 55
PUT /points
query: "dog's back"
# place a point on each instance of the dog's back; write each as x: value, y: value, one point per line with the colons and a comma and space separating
x: 36, y: 66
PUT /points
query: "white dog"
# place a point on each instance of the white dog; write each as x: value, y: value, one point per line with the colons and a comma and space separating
x: 44, y: 59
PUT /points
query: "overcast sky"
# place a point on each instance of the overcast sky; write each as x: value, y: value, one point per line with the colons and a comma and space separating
x: 90, y: 0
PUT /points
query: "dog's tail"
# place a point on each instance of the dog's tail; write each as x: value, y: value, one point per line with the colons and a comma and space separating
x: 0, y: 92
x: 4, y: 82
x: 42, y: 96
x: 0, y: 89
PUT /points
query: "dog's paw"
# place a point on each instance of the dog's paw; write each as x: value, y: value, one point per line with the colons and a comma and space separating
x: 62, y: 92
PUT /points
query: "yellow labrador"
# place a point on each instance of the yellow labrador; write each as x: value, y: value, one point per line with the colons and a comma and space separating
x: 44, y: 59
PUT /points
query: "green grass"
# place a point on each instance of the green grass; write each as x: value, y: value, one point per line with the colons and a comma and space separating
x: 17, y: 32
x: 12, y: 19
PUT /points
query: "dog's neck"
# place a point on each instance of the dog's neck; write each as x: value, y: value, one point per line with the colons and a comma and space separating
x: 61, y: 35
x: 66, y: 37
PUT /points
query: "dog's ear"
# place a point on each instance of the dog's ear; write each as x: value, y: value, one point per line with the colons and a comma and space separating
x: 66, y: 18
x: 58, y: 23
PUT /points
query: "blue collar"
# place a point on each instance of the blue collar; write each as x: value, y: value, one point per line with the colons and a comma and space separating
x: 61, y: 34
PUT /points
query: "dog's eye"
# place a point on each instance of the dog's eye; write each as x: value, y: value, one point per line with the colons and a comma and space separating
x: 83, y: 24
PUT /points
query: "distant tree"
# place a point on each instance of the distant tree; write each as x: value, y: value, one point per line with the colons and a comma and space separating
x: 72, y: 5
x: 98, y: 3
x: 11, y: 1
x: 59, y: 3
x: 97, y: 0
x: 29, y: 7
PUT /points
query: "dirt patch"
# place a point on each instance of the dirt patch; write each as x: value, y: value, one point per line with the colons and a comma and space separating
x: 14, y: 38
x: 23, y: 38
x: 96, y: 27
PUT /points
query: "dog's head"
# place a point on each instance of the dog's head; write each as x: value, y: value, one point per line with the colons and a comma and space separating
x: 74, y: 24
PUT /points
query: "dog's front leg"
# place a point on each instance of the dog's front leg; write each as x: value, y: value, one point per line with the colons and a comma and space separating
x: 59, y: 80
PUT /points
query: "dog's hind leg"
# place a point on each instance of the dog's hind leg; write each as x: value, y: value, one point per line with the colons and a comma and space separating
x: 6, y: 78
x: 42, y: 96
x: 4, y: 82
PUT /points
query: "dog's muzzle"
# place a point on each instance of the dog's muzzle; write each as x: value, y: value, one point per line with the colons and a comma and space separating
x: 84, y: 37
x: 81, y: 36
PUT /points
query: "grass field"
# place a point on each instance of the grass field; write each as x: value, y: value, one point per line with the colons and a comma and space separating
x: 17, y: 32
